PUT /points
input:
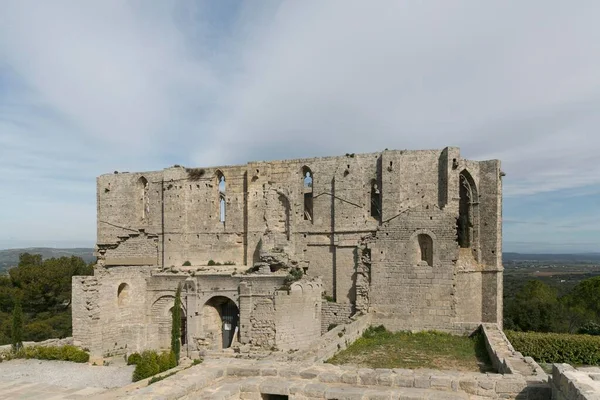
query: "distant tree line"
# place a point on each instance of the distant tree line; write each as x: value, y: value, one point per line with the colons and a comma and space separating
x: 538, y: 307
x: 43, y: 290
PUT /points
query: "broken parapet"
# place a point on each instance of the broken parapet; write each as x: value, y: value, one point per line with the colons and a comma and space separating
x: 568, y: 383
x: 505, y: 359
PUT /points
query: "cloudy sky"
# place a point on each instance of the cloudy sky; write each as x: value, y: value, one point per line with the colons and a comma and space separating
x: 91, y: 87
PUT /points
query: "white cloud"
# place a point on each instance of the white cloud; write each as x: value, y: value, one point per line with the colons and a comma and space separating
x: 90, y: 87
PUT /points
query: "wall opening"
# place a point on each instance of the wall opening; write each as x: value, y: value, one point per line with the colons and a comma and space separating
x: 222, y: 198
x: 425, y: 249
x: 375, y: 200
x: 307, y: 177
x: 286, y: 207
x: 220, y: 317
x: 123, y: 294
x: 467, y: 219
x: 144, y: 197
x: 267, y: 396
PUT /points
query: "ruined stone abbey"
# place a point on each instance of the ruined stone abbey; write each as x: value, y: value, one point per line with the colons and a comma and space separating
x: 269, y: 255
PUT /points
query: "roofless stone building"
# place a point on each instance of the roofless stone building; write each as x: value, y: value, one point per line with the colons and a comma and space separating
x: 411, y: 237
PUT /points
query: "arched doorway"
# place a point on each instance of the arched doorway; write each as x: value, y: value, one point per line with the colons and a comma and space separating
x: 220, y: 317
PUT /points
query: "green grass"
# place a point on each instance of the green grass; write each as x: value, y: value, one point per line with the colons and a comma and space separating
x: 378, y: 348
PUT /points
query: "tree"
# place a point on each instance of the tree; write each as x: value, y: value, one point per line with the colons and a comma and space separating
x: 534, y: 308
x: 17, y: 327
x: 587, y: 295
x: 176, y: 325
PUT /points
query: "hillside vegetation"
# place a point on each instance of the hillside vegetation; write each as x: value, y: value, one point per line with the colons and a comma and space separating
x: 10, y: 258
x: 43, y: 288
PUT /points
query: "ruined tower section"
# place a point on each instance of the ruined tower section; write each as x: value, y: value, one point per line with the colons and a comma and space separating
x: 436, y: 259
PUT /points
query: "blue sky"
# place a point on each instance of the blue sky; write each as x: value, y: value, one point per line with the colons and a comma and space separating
x: 91, y: 87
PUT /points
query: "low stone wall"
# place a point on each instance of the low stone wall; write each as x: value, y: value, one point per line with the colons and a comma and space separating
x: 568, y: 383
x: 505, y: 359
x: 248, y: 380
x: 333, y: 341
x: 45, y: 343
x: 334, y: 314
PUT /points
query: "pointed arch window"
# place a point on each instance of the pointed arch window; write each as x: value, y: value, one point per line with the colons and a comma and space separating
x: 375, y: 200
x: 308, y: 178
x: 467, y: 219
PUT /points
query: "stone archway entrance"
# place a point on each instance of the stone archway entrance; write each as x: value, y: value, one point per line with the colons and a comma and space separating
x: 220, y: 318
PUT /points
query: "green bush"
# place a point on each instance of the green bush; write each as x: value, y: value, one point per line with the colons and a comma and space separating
x: 134, y: 359
x: 160, y: 378
x: 590, y: 328
x: 61, y: 353
x: 167, y: 360
x: 151, y: 363
x: 187, y: 264
x: 374, y: 331
x: 557, y: 347
x: 147, y: 366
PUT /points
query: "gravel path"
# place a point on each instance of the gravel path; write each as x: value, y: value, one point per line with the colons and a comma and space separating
x: 65, y: 374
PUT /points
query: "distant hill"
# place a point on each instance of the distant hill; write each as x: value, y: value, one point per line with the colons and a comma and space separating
x: 553, y: 258
x: 10, y: 257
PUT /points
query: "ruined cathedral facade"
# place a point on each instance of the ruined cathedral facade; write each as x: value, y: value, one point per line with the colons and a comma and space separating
x: 269, y: 254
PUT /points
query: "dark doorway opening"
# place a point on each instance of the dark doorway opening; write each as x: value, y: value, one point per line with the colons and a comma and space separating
x: 222, y: 315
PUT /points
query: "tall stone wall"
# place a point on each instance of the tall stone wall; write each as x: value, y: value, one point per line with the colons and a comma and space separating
x: 413, y: 237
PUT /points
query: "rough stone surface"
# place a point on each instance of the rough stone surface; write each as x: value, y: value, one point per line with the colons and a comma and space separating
x: 321, y: 382
x: 412, y: 238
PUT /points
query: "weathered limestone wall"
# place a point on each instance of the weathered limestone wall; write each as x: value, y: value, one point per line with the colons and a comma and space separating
x: 298, y: 315
x: 85, y: 309
x: 381, y: 233
x: 407, y: 292
x: 122, y: 304
x: 334, y: 314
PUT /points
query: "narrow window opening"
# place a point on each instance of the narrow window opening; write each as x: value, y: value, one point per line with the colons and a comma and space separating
x: 375, y: 201
x: 123, y: 294
x: 307, y: 177
x: 222, y: 198
x: 466, y: 222
x: 144, y: 191
x: 425, y: 249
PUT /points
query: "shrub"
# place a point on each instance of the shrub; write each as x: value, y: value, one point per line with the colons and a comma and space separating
x: 147, y: 366
x: 590, y: 328
x: 151, y: 363
x: 331, y: 326
x: 211, y: 262
x: 134, y: 359
x: 197, y: 361
x: 166, y: 360
x: 61, y: 353
x: 187, y: 264
x: 374, y: 331
x: 160, y: 378
x: 229, y: 263
x: 294, y: 275
x: 557, y: 347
